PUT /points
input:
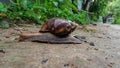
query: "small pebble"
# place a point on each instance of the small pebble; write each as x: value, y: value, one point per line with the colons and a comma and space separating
x: 100, y: 37
x: 7, y: 36
x: 104, y: 34
x: 110, y: 65
x: 106, y: 58
x: 72, y: 64
x: 66, y: 65
x: 2, y: 51
x: 44, y: 61
x: 92, y: 44
x: 16, y: 38
x: 108, y: 37
x: 96, y: 49
x: 94, y: 24
x: 89, y: 59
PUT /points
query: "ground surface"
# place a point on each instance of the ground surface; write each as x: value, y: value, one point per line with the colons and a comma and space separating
x: 105, y: 53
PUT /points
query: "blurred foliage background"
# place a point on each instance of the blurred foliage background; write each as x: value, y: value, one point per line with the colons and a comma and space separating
x: 38, y: 11
x: 114, y: 9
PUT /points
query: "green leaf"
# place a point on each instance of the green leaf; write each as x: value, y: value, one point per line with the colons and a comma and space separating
x: 2, y: 8
x: 55, y: 3
x: 61, y: 0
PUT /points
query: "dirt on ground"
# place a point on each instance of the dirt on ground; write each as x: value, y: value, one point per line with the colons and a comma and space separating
x: 101, y: 49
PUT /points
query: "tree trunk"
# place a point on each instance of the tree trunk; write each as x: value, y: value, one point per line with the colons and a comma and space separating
x: 79, y: 6
x: 86, y: 4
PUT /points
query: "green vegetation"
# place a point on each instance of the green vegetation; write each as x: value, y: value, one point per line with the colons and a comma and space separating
x: 98, y: 8
x: 39, y: 11
x: 114, y: 9
x: 3, y: 10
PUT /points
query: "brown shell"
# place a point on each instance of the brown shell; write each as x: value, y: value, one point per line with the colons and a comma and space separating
x: 58, y: 27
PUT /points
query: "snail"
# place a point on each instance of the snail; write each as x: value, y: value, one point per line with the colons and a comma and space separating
x: 58, y: 27
x: 55, y: 30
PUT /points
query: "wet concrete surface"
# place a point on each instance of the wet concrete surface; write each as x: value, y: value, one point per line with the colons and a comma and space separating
x: 104, y: 54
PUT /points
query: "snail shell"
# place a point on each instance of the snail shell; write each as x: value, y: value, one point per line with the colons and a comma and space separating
x: 59, y: 27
